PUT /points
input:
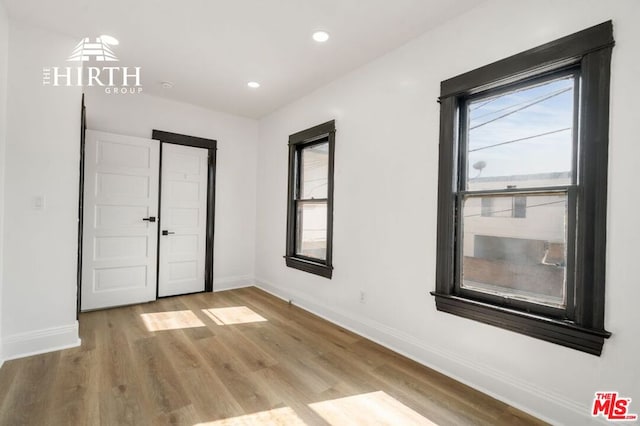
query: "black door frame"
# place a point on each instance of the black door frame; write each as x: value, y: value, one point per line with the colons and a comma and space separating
x: 83, y: 132
x: 210, y: 145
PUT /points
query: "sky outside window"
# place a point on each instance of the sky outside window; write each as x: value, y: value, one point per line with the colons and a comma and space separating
x: 523, y: 132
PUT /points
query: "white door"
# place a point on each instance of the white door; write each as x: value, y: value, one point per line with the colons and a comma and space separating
x: 183, y: 219
x: 119, y: 242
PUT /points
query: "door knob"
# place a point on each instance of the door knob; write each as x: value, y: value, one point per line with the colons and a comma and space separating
x: 165, y: 232
x: 149, y: 219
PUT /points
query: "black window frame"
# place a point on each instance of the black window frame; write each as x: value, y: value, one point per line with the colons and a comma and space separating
x: 322, y: 133
x: 581, y: 325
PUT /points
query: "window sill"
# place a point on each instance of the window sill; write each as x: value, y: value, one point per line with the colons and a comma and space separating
x: 308, y: 266
x: 563, y: 333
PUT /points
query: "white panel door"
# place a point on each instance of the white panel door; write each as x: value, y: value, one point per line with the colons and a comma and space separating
x: 120, y: 238
x: 183, y: 219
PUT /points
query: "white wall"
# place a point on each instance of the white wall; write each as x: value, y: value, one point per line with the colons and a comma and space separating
x: 235, y: 215
x: 4, y: 56
x: 42, y: 157
x: 385, y: 209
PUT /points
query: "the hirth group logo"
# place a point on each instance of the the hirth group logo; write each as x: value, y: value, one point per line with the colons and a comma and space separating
x: 115, y: 80
x: 612, y: 407
x: 99, y: 50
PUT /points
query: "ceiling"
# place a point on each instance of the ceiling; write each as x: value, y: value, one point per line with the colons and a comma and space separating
x: 210, y: 49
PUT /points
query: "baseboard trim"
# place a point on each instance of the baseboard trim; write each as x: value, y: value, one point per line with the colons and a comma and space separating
x: 40, y: 341
x: 232, y: 283
x: 544, y: 404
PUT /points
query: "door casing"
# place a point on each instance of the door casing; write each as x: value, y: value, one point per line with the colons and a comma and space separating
x: 83, y: 133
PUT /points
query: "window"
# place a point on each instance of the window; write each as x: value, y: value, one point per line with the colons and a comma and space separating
x: 519, y: 207
x: 523, y: 189
x: 487, y: 207
x: 310, y: 203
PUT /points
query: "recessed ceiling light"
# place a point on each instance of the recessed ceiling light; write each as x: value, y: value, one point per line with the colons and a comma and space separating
x: 321, y: 36
x: 166, y: 84
x: 109, y: 40
x: 253, y: 84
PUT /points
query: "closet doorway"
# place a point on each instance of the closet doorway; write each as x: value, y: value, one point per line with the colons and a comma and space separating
x: 148, y: 213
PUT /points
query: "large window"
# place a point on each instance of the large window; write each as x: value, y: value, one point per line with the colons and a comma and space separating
x: 310, y: 204
x: 522, y: 191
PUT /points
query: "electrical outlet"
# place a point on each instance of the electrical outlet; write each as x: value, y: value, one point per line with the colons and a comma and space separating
x: 362, y: 296
x: 39, y: 202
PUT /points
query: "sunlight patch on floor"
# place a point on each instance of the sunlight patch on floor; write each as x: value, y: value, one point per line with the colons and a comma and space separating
x: 171, y: 320
x: 233, y: 315
x: 375, y: 408
x: 284, y: 416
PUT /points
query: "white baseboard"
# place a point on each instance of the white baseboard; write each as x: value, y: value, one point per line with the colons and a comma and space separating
x: 544, y: 404
x: 230, y: 283
x: 40, y: 341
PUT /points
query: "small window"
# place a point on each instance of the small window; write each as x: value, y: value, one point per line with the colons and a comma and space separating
x: 310, y: 204
x: 522, y: 191
x: 520, y: 207
x: 486, y: 207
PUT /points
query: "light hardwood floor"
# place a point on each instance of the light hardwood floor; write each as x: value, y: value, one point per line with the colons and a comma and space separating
x: 239, y: 357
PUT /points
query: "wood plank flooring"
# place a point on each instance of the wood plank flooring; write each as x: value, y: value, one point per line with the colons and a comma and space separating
x: 239, y: 357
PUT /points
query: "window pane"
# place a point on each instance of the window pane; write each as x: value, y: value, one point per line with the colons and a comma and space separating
x: 521, y: 257
x: 487, y: 208
x: 522, y: 138
x: 311, y: 232
x: 519, y: 207
x: 314, y: 171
